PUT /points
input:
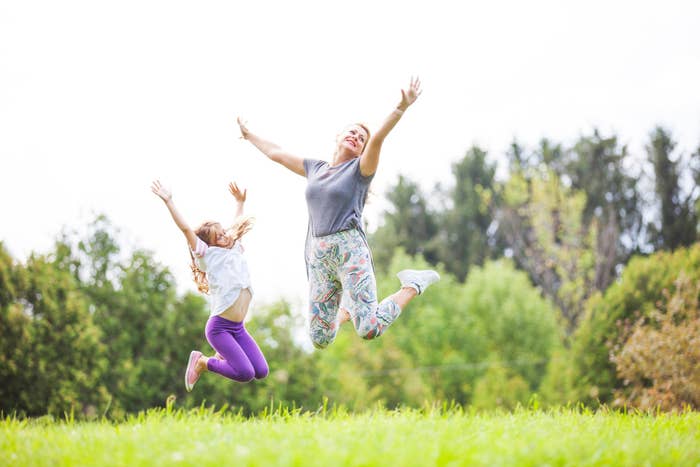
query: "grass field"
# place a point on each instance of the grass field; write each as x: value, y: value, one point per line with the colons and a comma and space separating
x: 335, y: 438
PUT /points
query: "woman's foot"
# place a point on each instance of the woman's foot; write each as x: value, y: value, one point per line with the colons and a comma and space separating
x: 418, y: 280
x: 343, y: 316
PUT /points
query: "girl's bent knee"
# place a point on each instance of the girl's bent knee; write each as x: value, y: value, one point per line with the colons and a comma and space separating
x: 245, y: 376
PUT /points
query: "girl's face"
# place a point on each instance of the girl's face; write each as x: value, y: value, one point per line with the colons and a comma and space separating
x: 217, y: 236
x: 353, y: 138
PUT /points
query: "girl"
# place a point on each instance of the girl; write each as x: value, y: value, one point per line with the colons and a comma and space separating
x: 338, y: 259
x: 221, y: 271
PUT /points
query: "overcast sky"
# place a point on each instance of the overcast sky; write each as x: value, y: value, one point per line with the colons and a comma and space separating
x: 99, y: 98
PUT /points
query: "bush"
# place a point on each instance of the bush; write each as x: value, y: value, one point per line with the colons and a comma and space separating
x: 657, y: 357
x: 634, y: 295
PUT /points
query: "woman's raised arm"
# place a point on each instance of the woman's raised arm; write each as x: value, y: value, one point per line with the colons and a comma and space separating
x: 370, y: 157
x: 273, y: 151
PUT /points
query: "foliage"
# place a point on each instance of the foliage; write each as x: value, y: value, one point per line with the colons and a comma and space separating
x: 500, y: 387
x: 677, y: 222
x: 637, y: 291
x: 543, y: 222
x: 51, y: 352
x: 467, y: 222
x: 658, y: 357
x: 454, y: 230
x: 408, y: 223
x: 595, y: 166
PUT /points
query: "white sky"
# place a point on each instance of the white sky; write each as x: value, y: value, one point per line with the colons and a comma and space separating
x: 99, y: 98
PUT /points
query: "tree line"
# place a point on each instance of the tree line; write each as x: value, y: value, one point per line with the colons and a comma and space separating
x: 564, y: 280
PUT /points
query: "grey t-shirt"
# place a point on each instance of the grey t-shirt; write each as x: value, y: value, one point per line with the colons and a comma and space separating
x: 335, y: 196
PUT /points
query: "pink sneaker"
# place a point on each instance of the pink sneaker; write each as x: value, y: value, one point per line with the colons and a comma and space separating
x: 191, y: 375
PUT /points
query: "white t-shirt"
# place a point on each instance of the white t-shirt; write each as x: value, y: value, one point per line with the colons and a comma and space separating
x: 227, y: 273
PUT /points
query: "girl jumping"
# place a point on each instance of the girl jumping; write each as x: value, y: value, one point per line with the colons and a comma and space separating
x: 220, y: 270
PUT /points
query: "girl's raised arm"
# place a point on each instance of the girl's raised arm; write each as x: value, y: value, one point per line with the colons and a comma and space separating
x: 239, y: 195
x: 273, y: 151
x: 370, y: 157
x: 167, y: 197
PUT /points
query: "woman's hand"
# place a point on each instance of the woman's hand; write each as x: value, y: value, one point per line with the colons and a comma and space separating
x: 162, y: 192
x: 237, y: 193
x: 410, y: 95
x: 244, y: 129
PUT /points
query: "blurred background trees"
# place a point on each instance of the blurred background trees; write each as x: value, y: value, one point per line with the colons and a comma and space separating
x: 571, y: 273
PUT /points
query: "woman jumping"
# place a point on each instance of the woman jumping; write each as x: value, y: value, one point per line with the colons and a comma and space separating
x: 338, y: 259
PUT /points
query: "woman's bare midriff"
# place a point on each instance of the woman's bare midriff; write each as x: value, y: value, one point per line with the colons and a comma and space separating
x: 239, y: 309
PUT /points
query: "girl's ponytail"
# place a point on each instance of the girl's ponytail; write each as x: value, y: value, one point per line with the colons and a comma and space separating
x: 199, y: 276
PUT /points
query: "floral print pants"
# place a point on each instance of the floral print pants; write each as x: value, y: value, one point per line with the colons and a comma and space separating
x: 341, y: 275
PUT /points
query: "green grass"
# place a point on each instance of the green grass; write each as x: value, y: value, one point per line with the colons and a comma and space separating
x: 335, y: 438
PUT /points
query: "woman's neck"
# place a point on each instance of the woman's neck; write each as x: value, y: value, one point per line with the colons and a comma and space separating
x: 341, y: 157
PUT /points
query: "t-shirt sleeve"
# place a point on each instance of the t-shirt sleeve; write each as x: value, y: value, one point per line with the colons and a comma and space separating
x: 201, y: 249
x: 364, y: 179
x: 311, y: 166
x: 238, y: 246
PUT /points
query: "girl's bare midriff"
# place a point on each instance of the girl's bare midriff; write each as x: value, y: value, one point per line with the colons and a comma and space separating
x: 239, y: 309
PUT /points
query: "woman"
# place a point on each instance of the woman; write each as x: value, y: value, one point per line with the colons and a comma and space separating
x: 338, y: 259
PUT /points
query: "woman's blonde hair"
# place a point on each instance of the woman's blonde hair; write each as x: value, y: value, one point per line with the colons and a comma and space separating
x: 364, y: 127
x: 240, y: 227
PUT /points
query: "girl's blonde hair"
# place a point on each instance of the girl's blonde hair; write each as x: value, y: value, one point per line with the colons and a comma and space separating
x: 234, y: 233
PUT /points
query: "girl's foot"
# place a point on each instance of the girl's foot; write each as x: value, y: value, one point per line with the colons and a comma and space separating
x: 192, y: 374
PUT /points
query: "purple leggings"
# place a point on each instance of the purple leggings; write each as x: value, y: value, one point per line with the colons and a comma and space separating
x: 243, y: 359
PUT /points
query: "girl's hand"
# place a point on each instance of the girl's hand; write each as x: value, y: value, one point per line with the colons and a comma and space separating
x: 410, y: 95
x: 244, y: 129
x: 237, y: 193
x: 162, y: 192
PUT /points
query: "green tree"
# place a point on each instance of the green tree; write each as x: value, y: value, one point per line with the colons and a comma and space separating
x: 468, y: 220
x: 596, y: 166
x: 677, y: 222
x: 56, y: 361
x: 408, y: 223
x: 15, y: 327
x: 144, y: 324
x: 542, y: 220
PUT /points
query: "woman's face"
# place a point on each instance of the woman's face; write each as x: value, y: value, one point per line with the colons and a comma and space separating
x: 353, y: 138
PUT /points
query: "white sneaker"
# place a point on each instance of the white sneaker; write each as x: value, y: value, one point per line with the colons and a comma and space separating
x: 418, y: 280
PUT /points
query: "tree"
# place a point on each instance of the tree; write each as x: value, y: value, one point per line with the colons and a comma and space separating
x: 53, y: 361
x: 408, y: 223
x: 676, y: 225
x: 542, y: 221
x: 468, y: 221
x: 596, y: 166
